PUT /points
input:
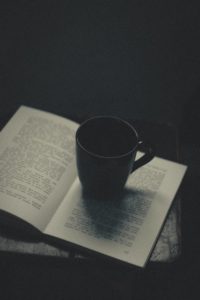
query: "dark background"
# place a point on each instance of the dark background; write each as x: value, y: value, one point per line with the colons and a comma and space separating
x: 134, y: 59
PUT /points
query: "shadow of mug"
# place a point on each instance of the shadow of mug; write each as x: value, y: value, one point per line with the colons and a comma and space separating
x: 106, y: 148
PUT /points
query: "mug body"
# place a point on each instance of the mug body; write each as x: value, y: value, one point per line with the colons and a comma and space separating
x: 105, y: 153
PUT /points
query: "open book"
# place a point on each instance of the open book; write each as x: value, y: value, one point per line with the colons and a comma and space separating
x: 39, y: 184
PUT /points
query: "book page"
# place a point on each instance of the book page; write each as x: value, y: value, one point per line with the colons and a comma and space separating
x: 37, y: 164
x: 125, y: 229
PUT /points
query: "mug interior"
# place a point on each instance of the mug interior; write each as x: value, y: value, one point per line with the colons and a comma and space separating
x: 107, y: 136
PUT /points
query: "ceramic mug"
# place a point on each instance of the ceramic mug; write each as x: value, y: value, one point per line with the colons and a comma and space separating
x: 106, y: 148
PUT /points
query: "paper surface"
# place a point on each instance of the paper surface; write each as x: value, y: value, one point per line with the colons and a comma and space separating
x: 37, y: 164
x: 126, y: 230
x: 37, y: 171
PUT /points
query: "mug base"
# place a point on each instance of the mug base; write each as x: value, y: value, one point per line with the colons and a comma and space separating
x: 103, y: 195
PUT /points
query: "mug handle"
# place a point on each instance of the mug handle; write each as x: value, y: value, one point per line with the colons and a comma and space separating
x: 149, y: 153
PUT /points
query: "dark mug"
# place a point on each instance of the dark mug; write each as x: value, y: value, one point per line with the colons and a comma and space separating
x: 106, y: 148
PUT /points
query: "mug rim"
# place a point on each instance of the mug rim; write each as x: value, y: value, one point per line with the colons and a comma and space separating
x: 107, y: 117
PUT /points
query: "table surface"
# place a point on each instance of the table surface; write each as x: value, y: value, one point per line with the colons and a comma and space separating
x: 140, y: 61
